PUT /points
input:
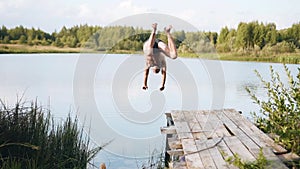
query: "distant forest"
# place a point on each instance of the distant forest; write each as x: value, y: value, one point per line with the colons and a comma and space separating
x: 252, y: 36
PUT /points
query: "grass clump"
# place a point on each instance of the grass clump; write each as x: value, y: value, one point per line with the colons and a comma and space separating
x: 260, y: 163
x: 29, y: 138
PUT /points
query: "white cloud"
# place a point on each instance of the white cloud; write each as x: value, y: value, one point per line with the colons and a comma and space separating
x: 99, y: 13
x: 188, y: 14
x: 113, y: 12
x: 85, y: 11
x: 50, y: 15
x: 128, y: 7
x: 125, y: 4
x: 13, y: 4
x: 10, y: 8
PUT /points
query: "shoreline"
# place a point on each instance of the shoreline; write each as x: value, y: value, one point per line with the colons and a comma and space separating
x: 290, y: 58
x: 19, y: 49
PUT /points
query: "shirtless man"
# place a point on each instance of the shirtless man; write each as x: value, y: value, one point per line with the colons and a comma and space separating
x: 155, y: 51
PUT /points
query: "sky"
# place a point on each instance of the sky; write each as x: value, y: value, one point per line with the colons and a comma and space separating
x: 205, y: 15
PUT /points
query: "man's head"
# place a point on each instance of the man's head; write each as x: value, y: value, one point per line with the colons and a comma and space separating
x: 156, y: 69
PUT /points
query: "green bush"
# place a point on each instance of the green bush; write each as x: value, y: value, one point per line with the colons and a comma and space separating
x: 282, y: 47
x: 224, y: 47
x: 260, y: 163
x: 29, y: 138
x: 281, y: 111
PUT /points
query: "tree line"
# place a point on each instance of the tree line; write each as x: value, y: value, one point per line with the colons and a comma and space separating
x: 252, y: 36
x: 73, y: 37
x: 259, y: 36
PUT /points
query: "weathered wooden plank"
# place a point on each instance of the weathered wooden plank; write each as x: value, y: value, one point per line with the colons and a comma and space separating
x: 252, y: 130
x: 218, y: 158
x: 231, y: 128
x: 177, y: 116
x: 203, y: 147
x: 204, y: 154
x: 236, y: 146
x: 209, y: 161
x: 243, y: 137
x: 194, y: 125
x: 269, y: 141
x: 240, y: 121
x: 168, y: 130
x: 250, y: 140
x: 182, y: 127
x: 183, y: 130
x: 236, y: 130
x: 288, y: 157
x: 240, y: 136
x: 203, y: 119
x: 174, y: 143
x: 178, y: 165
x: 250, y: 145
x: 226, y: 153
x: 274, y: 161
x: 217, y: 124
x: 192, y: 159
x: 177, y: 152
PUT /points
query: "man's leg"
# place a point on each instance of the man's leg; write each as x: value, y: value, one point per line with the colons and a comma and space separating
x: 171, y: 43
x: 148, y: 51
x: 148, y: 46
x: 170, y: 49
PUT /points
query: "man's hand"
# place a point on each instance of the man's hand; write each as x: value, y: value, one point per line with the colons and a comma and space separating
x: 145, y: 87
x: 162, y: 88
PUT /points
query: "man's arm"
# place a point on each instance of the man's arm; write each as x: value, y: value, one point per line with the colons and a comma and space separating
x: 164, y: 75
x: 145, y: 87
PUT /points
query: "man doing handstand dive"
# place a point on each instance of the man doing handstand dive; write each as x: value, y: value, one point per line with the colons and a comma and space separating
x: 155, y: 51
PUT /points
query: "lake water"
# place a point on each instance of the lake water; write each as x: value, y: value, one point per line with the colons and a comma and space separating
x: 105, y: 92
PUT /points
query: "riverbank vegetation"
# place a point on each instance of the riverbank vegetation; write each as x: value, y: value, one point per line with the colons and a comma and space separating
x: 23, y: 48
x: 252, y: 41
x: 30, y: 138
x: 280, y: 113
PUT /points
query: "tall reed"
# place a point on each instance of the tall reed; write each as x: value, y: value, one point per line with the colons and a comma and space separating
x: 29, y: 138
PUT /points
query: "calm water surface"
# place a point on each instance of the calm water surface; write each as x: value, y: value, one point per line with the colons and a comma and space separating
x: 105, y: 92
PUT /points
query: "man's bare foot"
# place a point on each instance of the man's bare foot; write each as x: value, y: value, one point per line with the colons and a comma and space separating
x: 168, y: 29
x: 154, y: 26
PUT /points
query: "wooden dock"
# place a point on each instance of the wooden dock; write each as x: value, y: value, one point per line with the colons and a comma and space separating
x: 204, y: 139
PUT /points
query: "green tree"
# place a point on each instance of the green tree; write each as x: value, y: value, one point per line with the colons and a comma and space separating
x: 222, y: 38
x: 231, y: 37
x: 241, y: 36
x: 226, y: 40
x: 259, y: 34
x: 6, y: 39
x: 292, y: 34
x: 16, y: 32
x: 179, y: 35
x: 213, y: 37
x: 3, y: 32
x: 22, y: 39
x: 58, y: 43
x: 246, y: 33
x: 271, y: 34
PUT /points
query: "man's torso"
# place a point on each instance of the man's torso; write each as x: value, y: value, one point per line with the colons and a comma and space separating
x: 158, y: 57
